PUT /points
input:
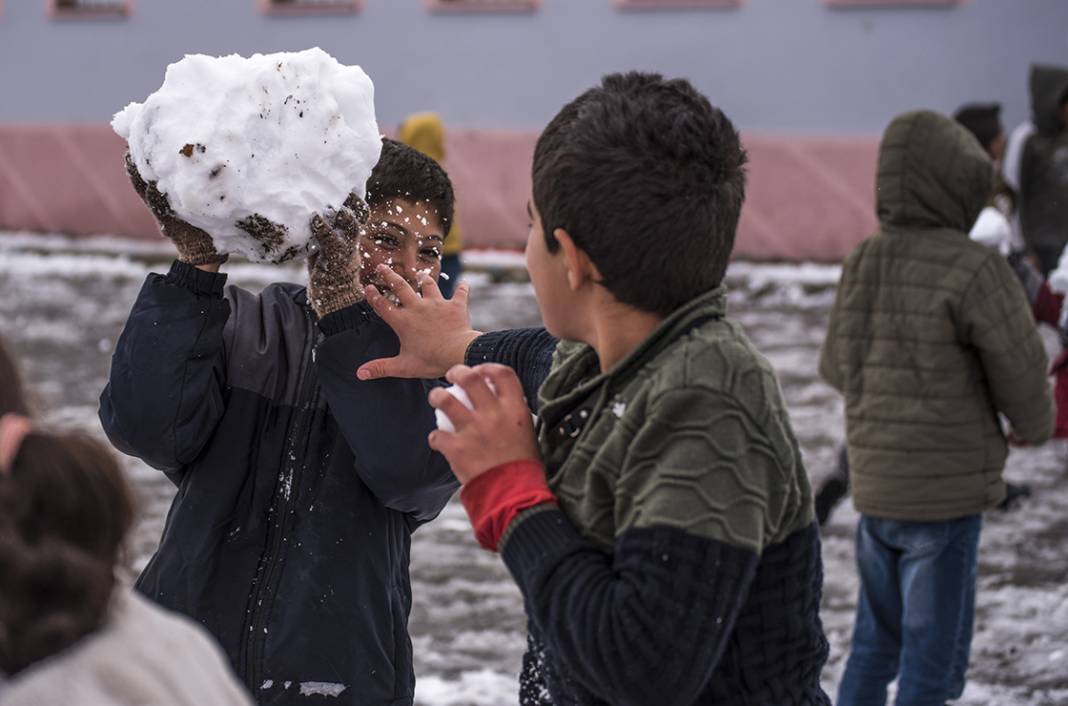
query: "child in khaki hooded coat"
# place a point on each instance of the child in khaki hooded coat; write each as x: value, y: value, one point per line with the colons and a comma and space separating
x: 931, y: 338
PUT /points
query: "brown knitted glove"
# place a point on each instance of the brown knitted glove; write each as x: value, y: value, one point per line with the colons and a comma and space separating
x: 334, y: 264
x: 194, y: 245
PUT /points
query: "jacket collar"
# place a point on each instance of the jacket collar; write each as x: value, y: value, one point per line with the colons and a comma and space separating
x: 580, y: 375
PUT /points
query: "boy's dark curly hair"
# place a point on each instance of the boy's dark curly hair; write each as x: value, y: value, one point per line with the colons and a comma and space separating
x: 404, y: 172
x: 65, y: 509
x: 648, y: 178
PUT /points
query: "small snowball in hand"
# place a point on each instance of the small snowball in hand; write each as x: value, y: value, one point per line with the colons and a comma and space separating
x: 444, y: 423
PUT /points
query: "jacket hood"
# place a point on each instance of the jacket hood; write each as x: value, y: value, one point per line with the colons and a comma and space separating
x: 1049, y: 88
x: 932, y: 174
x: 426, y: 133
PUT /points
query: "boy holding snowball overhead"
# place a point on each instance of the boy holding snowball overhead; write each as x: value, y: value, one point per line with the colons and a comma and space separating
x: 298, y: 486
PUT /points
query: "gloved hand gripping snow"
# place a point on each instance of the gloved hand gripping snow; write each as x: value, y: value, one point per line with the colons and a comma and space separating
x: 248, y: 150
x: 194, y: 246
x: 334, y: 261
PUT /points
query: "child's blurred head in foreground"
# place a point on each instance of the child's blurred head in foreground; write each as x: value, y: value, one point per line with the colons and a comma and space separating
x: 65, y: 509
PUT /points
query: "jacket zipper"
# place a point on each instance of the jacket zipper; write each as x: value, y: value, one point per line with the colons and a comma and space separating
x: 265, y: 583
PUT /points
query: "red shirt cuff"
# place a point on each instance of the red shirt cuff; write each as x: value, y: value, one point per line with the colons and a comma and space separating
x: 493, y: 499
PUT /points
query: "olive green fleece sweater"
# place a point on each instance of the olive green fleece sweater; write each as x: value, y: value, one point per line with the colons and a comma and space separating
x: 689, y: 431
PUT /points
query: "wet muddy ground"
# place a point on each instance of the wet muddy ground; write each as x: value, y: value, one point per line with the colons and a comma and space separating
x: 62, y: 307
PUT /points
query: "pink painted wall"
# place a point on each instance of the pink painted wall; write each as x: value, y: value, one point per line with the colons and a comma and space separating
x: 809, y: 198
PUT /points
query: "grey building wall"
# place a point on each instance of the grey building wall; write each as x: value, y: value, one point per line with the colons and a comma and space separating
x: 787, y: 66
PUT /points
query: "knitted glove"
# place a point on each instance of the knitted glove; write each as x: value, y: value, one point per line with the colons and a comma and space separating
x: 194, y: 245
x: 334, y: 264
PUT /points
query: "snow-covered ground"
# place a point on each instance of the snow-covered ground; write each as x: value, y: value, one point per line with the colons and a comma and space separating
x: 62, y: 304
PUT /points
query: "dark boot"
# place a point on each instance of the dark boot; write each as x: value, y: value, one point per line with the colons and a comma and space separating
x: 833, y: 490
x: 1014, y: 496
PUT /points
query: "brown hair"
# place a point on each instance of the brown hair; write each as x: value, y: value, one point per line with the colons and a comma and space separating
x: 65, y: 509
x: 648, y: 179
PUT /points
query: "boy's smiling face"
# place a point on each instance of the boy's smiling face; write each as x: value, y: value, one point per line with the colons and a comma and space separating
x: 407, y: 236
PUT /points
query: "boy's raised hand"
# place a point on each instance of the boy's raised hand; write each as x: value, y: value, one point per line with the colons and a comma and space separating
x: 194, y: 246
x: 498, y: 429
x: 334, y: 263
x: 434, y: 332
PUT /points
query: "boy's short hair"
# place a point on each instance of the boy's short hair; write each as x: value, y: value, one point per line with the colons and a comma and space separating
x: 406, y: 173
x: 648, y: 178
x: 982, y: 120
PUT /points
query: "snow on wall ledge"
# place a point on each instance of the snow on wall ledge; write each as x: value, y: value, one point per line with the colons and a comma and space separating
x: 808, y: 198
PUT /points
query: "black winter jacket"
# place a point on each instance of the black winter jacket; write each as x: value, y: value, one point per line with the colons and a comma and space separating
x: 298, y: 485
x: 1044, y: 169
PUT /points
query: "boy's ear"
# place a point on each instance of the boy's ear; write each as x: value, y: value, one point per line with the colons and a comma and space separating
x: 580, y: 268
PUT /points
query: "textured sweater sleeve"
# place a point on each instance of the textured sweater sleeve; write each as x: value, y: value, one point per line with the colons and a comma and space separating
x: 646, y: 624
x: 716, y: 467
x: 998, y: 323
x: 528, y: 351
x: 710, y: 481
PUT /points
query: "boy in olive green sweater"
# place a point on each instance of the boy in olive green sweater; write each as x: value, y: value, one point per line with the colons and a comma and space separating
x: 659, y: 522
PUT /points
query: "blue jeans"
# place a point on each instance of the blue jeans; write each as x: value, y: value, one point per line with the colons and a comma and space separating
x: 915, y: 612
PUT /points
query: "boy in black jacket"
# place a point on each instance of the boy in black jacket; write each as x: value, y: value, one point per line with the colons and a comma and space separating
x: 1036, y: 166
x: 298, y: 486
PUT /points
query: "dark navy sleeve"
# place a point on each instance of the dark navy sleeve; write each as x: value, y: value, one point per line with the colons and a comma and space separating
x: 385, y: 422
x: 528, y: 351
x: 165, y: 393
x: 645, y: 624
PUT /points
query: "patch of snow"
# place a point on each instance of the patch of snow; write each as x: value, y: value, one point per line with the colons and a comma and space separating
x: 760, y: 275
x: 494, y: 259
x: 444, y: 423
x: 321, y: 688
x: 27, y: 264
x: 484, y: 687
x: 99, y: 244
x: 42, y: 266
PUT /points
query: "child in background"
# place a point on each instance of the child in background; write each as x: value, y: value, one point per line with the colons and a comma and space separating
x: 1036, y: 167
x: 930, y: 338
x: 426, y: 133
x: 993, y: 228
x: 69, y: 631
x: 998, y: 227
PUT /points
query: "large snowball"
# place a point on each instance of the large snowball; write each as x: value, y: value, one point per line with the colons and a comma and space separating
x: 250, y: 149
